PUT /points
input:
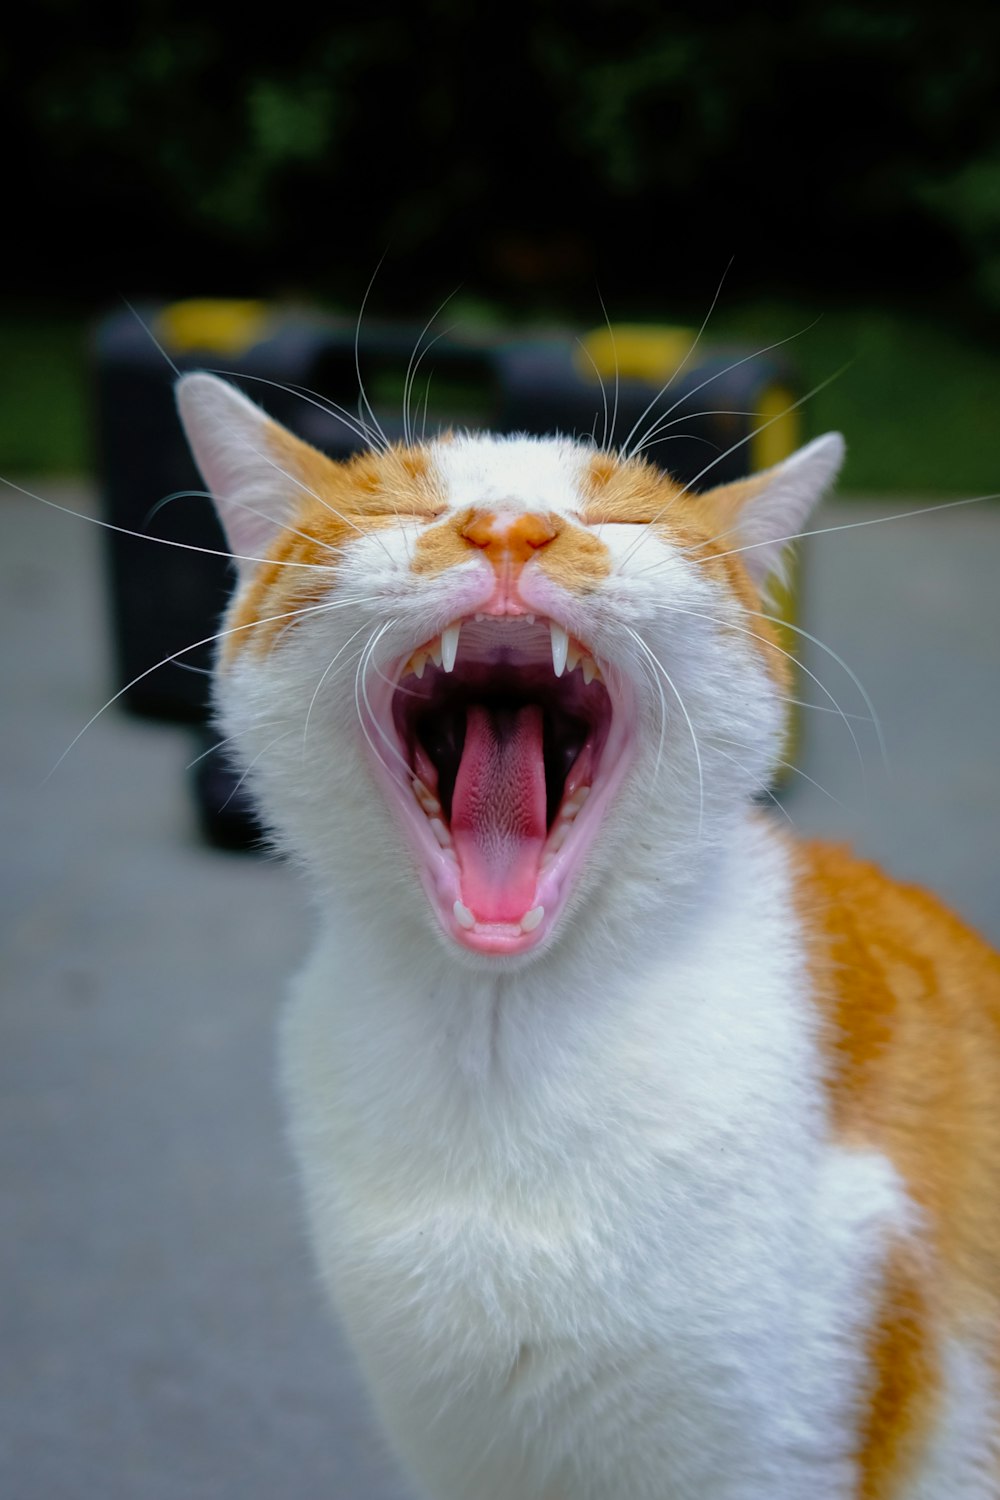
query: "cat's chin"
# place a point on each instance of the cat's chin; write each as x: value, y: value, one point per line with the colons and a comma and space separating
x: 500, y: 745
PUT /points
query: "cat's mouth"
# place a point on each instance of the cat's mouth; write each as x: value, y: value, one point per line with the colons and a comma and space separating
x: 515, y: 739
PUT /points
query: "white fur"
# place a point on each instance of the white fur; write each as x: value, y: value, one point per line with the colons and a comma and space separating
x: 581, y: 1212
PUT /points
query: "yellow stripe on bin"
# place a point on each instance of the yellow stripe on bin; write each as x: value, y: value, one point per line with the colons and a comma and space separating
x: 639, y: 351
x: 223, y: 325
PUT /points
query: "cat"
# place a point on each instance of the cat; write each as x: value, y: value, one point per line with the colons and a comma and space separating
x: 649, y: 1153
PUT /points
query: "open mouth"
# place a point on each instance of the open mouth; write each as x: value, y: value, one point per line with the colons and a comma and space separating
x: 514, y: 740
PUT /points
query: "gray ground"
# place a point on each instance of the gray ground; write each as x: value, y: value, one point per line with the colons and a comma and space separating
x: 160, y: 1332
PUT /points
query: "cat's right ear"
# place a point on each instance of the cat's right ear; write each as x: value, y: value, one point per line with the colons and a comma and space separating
x: 247, y: 460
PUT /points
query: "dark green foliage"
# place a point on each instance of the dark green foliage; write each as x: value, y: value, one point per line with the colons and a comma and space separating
x: 839, y: 148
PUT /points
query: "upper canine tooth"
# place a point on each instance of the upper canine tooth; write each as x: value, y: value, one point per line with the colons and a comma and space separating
x: 560, y: 647
x: 449, y: 645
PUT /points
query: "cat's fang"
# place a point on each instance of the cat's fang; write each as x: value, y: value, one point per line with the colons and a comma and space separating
x: 463, y: 916
x: 560, y: 648
x: 531, y: 918
x: 449, y: 645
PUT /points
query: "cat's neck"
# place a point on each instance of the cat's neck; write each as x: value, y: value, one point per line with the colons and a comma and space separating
x: 409, y: 990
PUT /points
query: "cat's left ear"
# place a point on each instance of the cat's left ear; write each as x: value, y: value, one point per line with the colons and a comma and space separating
x: 761, y: 515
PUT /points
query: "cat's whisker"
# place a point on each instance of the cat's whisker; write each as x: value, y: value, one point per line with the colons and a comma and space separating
x: 415, y: 360
x: 798, y: 630
x: 740, y: 442
x: 787, y: 765
x: 427, y: 397
x: 207, y: 640
x: 754, y: 635
x: 710, y: 379
x: 319, y: 685
x: 361, y: 691
x: 269, y: 746
x: 312, y: 398
x: 608, y: 441
x: 604, y: 398
x: 213, y: 749
x: 294, y: 479
x: 762, y: 785
x: 150, y: 334
x: 824, y: 708
x: 674, y: 374
x: 798, y: 536
x: 162, y: 541
x: 362, y: 393
x: 687, y: 718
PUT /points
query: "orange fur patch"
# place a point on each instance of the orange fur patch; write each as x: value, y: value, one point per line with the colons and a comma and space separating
x: 905, y: 1386
x: 910, y: 998
x: 339, y: 502
x: 633, y: 492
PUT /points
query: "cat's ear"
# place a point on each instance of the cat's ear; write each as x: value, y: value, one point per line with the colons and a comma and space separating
x: 762, y: 514
x: 249, y: 463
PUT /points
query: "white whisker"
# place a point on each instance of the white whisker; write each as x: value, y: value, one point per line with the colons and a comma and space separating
x: 664, y: 388
x: 162, y: 541
x: 754, y: 635
x: 694, y: 738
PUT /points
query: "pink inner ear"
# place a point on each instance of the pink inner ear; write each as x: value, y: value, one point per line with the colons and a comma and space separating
x: 229, y: 438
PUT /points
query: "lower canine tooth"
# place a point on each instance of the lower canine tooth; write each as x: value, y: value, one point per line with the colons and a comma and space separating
x: 463, y: 916
x: 531, y: 918
x: 440, y: 832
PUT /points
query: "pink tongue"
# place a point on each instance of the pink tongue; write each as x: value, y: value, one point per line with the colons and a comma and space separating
x: 498, y: 811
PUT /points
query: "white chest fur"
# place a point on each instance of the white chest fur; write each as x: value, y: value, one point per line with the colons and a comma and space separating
x: 589, y: 1238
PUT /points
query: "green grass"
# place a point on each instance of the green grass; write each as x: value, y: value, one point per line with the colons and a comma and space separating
x: 45, y: 418
x: 919, y: 405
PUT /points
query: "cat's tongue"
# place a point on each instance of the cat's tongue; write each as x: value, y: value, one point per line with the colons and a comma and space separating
x: 498, y: 811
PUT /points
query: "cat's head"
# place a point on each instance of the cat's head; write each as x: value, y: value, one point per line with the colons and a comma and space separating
x: 501, y: 685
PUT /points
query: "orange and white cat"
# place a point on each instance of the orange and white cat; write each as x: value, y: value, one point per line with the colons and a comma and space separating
x: 649, y: 1155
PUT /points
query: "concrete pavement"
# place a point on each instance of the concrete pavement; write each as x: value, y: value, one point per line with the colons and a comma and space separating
x: 161, y: 1335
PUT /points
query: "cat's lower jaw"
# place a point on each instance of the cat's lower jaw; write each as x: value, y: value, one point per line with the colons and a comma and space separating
x: 591, y: 1237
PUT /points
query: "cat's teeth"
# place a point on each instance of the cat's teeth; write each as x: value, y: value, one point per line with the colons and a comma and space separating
x: 449, y: 645
x: 426, y: 798
x: 591, y: 670
x: 434, y: 650
x: 560, y: 648
x: 417, y: 663
x: 573, y: 655
x: 529, y: 619
x: 557, y: 837
x: 531, y: 918
x: 440, y: 832
x: 464, y: 917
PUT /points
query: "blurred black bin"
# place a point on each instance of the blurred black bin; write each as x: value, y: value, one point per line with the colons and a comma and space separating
x: 167, y: 599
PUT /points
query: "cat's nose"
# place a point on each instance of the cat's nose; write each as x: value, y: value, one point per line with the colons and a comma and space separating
x: 509, y: 536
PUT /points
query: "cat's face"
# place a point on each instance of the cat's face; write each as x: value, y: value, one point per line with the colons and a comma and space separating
x: 497, y: 684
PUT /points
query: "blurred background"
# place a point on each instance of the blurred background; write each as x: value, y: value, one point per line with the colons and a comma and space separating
x: 831, y: 171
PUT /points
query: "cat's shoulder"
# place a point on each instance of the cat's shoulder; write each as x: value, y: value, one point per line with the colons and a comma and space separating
x: 909, y: 995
